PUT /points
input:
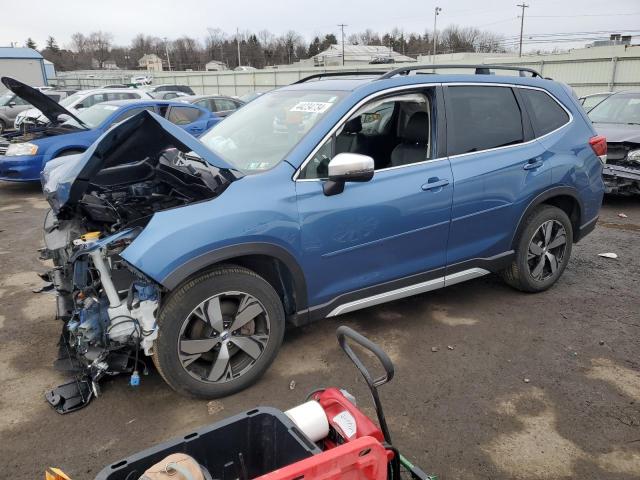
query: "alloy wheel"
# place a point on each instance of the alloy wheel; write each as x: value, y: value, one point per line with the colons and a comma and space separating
x: 223, y: 337
x: 546, y: 250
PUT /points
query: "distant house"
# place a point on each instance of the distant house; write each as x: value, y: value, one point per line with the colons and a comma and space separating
x: 106, y: 65
x: 150, y: 62
x: 358, y: 55
x: 215, y: 66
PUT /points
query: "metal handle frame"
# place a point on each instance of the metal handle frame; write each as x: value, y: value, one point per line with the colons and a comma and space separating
x: 343, y: 333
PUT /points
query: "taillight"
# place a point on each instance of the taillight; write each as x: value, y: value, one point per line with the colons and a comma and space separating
x: 599, y: 147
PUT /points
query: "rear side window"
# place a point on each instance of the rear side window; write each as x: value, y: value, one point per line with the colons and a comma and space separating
x: 183, y: 115
x: 482, y: 118
x: 223, y: 105
x: 545, y: 113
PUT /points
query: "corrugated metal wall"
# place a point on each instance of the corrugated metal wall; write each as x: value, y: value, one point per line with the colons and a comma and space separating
x: 585, y: 75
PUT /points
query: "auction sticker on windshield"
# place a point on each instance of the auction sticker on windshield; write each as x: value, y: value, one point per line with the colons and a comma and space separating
x: 311, y: 107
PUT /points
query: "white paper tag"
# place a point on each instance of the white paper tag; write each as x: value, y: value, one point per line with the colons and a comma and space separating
x: 347, y: 423
x: 311, y: 107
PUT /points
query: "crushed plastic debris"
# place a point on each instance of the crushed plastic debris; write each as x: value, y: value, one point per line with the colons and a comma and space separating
x: 622, y: 215
x: 608, y: 255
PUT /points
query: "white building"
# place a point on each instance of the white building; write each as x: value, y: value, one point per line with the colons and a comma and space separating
x: 24, y: 64
x: 150, y: 62
x: 215, y: 66
x: 358, y: 55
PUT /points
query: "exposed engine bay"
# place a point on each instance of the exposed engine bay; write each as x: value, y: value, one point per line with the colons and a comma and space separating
x: 108, y: 308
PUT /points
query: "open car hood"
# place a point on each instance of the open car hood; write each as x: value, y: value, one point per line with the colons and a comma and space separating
x: 145, y: 135
x: 49, y: 107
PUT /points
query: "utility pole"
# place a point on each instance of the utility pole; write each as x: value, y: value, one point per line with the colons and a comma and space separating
x: 342, y: 25
x: 166, y: 49
x: 523, y: 6
x: 238, y: 42
x: 435, y: 36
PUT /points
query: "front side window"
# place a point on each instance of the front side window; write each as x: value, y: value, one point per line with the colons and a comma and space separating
x: 258, y: 136
x: 481, y: 118
x: 6, y: 98
x: 393, y: 130
x: 545, y: 113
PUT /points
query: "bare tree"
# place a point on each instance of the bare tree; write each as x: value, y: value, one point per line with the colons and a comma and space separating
x: 100, y: 46
x: 78, y: 42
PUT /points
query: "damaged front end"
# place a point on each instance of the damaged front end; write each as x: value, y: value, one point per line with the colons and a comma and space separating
x: 621, y: 174
x: 101, y: 200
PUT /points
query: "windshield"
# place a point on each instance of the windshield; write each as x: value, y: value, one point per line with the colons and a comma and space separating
x: 92, y: 117
x: 621, y: 108
x: 72, y: 98
x: 259, y: 135
x: 5, y: 98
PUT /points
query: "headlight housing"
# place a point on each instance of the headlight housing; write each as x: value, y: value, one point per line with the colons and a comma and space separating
x: 634, y: 156
x: 16, y: 149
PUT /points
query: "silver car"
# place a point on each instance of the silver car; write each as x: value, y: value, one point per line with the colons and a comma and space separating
x: 11, y: 105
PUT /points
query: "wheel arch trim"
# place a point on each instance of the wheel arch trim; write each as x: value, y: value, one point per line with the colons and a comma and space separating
x: 228, y: 253
x: 542, y: 198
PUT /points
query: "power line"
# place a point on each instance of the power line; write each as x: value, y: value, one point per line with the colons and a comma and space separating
x: 523, y: 6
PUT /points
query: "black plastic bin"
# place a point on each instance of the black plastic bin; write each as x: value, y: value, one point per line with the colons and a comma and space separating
x: 266, y: 438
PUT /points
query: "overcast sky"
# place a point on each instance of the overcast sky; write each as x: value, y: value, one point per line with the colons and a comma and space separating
x: 172, y: 19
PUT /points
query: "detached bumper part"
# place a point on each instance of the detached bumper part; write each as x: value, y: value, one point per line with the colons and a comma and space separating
x: 70, y: 396
x: 619, y: 179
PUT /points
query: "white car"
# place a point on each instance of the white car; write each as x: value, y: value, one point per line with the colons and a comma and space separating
x: 80, y: 100
x: 142, y: 80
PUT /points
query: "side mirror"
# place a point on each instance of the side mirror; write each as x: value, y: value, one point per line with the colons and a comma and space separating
x: 347, y: 167
x: 79, y: 106
x: 12, y: 104
x: 63, y: 117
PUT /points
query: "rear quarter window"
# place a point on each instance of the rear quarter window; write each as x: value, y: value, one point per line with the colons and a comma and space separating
x: 545, y: 113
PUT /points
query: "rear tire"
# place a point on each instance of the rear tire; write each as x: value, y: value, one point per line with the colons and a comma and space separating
x: 543, y: 249
x: 218, y: 332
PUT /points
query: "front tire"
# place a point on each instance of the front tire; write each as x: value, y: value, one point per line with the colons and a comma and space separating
x: 218, y: 332
x: 542, y: 250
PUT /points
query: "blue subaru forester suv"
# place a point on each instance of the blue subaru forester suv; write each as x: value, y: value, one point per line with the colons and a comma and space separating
x: 324, y: 197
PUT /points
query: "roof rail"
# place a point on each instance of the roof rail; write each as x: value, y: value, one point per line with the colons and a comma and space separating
x: 479, y: 69
x: 340, y: 74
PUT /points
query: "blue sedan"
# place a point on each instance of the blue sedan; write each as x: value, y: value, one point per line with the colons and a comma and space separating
x: 24, y: 155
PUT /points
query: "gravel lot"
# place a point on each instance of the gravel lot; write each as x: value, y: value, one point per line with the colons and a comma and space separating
x: 462, y: 412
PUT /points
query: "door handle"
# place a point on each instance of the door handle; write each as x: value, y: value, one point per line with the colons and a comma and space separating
x: 533, y: 163
x: 435, y: 183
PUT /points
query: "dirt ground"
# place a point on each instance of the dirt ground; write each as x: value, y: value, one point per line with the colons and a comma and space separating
x: 461, y: 412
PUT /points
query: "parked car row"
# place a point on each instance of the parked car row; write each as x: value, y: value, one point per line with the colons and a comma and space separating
x: 68, y: 131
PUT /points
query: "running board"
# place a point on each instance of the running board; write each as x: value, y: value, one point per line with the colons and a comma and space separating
x: 408, y: 291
